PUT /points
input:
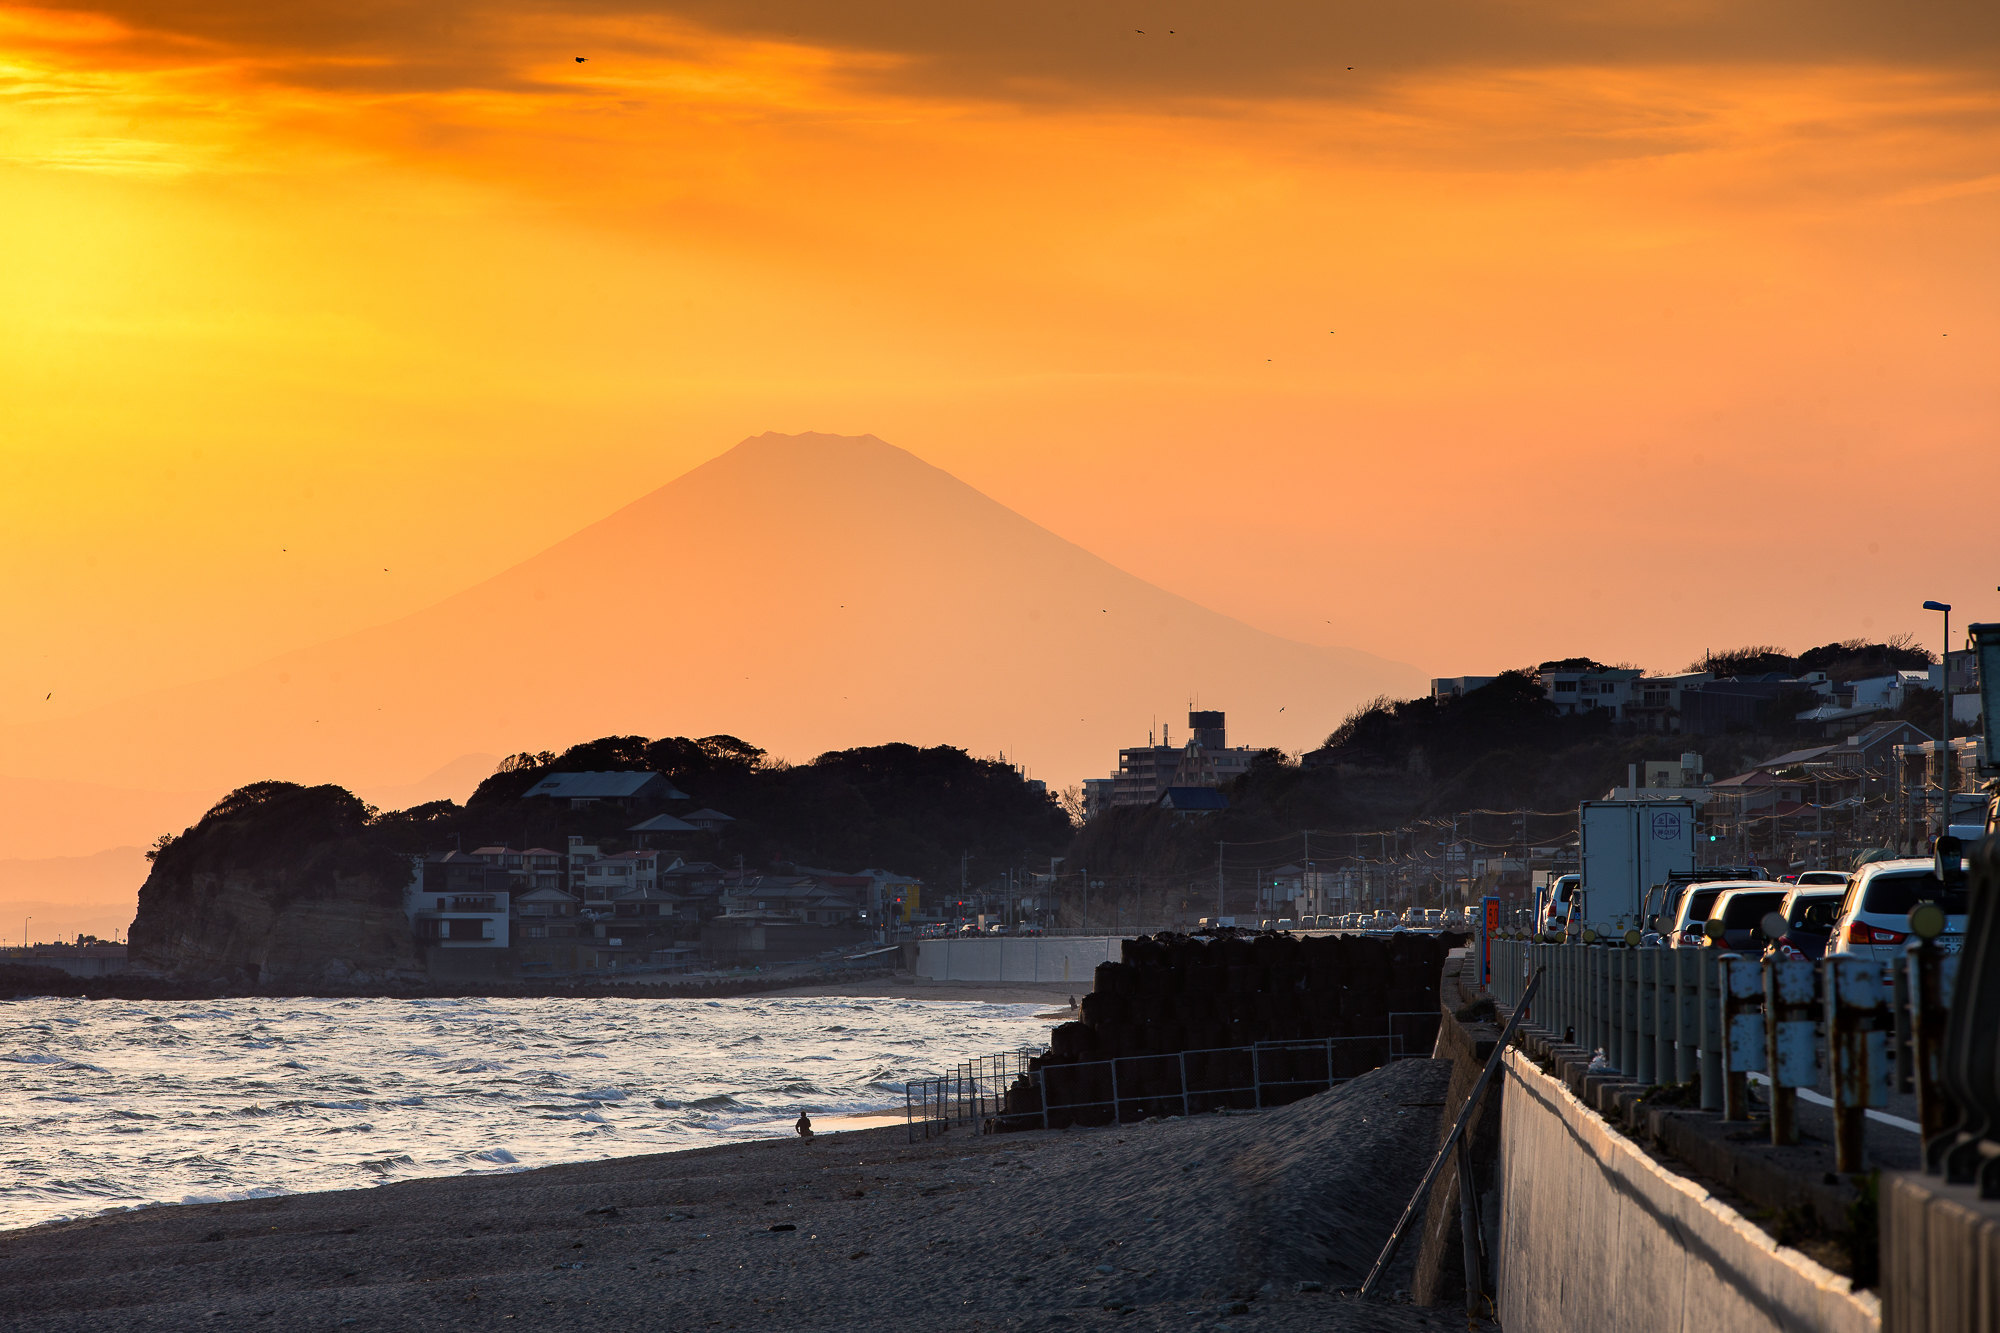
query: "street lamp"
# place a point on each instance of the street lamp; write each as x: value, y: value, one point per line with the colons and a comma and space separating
x: 1944, y: 734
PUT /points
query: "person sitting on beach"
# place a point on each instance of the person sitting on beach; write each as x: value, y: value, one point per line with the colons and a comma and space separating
x: 805, y: 1126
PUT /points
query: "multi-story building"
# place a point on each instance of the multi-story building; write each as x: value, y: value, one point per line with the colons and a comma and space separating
x: 1145, y: 772
x: 457, y: 901
x: 1576, y: 687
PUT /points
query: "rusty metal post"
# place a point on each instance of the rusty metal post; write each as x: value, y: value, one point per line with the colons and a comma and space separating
x: 1709, y: 1003
x: 1663, y: 1014
x: 1934, y: 973
x: 1607, y: 988
x: 1858, y: 1045
x: 1614, y: 1008
x: 1791, y: 1052
x: 1687, y: 1018
x: 1623, y: 966
x: 1742, y: 1031
x: 1645, y: 1031
x: 1899, y: 1005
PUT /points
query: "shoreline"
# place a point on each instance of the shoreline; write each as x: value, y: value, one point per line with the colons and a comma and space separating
x: 1157, y: 1225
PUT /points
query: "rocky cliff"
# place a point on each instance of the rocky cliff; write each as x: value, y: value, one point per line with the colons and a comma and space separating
x: 278, y: 885
x: 251, y: 928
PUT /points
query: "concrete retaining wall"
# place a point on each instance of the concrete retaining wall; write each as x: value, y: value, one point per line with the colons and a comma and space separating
x: 1072, y: 960
x: 1596, y: 1235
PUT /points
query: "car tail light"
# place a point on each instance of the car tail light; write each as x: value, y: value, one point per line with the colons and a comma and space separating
x: 1862, y: 933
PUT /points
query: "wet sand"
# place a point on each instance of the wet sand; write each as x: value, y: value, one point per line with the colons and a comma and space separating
x: 1216, y: 1221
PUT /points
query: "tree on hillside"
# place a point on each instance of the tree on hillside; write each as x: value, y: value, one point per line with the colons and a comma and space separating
x: 1760, y: 660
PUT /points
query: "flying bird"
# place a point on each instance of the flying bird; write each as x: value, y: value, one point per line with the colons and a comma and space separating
x: 50, y: 695
x: 581, y: 59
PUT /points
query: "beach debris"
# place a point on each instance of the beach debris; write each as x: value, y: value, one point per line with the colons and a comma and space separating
x: 609, y: 1210
x: 783, y: 1226
x: 1106, y: 1269
x: 1311, y: 1286
x: 859, y: 1254
x: 213, y: 1235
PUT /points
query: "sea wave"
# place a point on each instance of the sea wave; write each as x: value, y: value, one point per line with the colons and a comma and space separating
x: 151, y: 1102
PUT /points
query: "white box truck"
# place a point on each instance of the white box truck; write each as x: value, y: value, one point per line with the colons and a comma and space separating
x: 1629, y: 846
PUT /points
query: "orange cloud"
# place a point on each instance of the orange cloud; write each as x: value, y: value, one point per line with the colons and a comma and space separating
x: 1545, y: 329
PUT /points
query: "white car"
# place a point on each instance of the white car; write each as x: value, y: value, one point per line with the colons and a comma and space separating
x: 1874, y: 919
x: 1821, y: 877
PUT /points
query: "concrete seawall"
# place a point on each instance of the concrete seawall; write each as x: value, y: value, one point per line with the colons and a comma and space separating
x: 1071, y: 959
x: 1596, y: 1234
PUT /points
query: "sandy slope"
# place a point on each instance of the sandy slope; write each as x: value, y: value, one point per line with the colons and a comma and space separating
x: 1208, y: 1222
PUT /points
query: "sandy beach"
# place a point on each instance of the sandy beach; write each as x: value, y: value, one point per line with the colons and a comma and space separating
x: 1244, y: 1221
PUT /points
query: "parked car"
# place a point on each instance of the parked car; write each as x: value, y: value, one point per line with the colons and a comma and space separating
x: 1686, y: 927
x: 1741, y: 911
x: 1875, y: 911
x: 1810, y: 911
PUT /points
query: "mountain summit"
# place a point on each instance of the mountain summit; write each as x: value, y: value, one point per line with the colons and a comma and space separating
x: 806, y: 592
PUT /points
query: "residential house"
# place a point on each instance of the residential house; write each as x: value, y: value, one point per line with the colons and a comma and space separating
x: 545, y: 913
x: 801, y: 898
x: 626, y: 790
x: 1574, y: 687
x: 1445, y: 688
x: 457, y: 901
x: 658, y: 829
x: 707, y: 820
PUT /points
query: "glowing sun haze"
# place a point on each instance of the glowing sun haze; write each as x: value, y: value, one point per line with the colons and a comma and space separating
x: 1462, y: 334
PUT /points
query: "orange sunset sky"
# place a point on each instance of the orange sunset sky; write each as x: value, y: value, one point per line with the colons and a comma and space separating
x: 1466, y: 334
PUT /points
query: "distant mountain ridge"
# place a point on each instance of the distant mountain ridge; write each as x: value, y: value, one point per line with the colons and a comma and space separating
x: 811, y: 592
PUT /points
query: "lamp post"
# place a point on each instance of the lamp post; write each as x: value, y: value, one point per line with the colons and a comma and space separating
x: 1944, y: 732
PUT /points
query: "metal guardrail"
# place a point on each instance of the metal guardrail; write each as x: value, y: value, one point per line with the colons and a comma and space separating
x: 979, y: 1092
x: 1659, y: 1014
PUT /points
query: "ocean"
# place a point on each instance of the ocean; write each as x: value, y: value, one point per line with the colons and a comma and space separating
x: 110, y: 1104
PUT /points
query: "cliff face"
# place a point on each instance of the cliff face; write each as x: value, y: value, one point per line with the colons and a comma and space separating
x: 278, y: 884
x: 241, y: 927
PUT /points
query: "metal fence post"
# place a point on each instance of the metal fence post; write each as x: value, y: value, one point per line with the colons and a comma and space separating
x: 1646, y: 982
x: 1635, y: 996
x: 1616, y: 1053
x: 1790, y: 1052
x: 1257, y: 1067
x: 1115, y: 1117
x: 1899, y: 1005
x: 1710, y: 1005
x: 1742, y: 1031
x: 1859, y: 1051
x: 1933, y: 975
x: 1184, y: 1087
x: 1687, y: 1026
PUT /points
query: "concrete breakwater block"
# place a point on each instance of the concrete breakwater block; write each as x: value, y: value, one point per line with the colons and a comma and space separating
x: 1176, y: 1014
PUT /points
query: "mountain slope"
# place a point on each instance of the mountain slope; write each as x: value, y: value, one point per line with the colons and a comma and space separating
x: 805, y: 592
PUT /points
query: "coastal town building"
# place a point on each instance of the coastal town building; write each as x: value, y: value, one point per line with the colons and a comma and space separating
x: 458, y: 901
x: 1146, y: 772
x: 626, y: 790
